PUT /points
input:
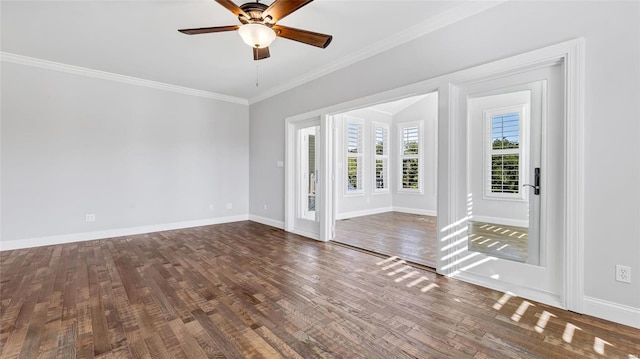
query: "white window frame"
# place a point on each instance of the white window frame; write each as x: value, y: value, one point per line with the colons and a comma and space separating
x: 522, y: 151
x: 359, y: 156
x: 384, y: 157
x: 419, y: 156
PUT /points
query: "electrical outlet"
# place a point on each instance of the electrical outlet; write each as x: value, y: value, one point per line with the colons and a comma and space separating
x: 265, y: 207
x: 90, y: 217
x: 211, y: 208
x: 229, y: 205
x: 623, y: 273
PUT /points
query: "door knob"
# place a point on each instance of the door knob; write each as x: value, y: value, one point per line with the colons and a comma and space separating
x: 536, y: 179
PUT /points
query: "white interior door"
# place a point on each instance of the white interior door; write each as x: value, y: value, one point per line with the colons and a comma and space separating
x: 514, y: 131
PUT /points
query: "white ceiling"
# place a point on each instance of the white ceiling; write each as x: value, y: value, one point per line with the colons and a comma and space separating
x: 140, y: 39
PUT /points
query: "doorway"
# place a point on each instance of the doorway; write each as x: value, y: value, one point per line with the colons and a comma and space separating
x: 304, y: 159
x: 385, y: 193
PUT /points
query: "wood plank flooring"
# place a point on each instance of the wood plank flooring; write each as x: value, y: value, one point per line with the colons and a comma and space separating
x: 409, y: 236
x: 245, y: 290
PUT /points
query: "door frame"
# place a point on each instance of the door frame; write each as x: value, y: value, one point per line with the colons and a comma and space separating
x: 571, y: 53
x: 452, y: 215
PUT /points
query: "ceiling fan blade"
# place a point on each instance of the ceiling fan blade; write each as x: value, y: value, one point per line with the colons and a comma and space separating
x: 259, y: 54
x: 206, y: 30
x: 304, y: 36
x: 231, y: 6
x: 281, y: 8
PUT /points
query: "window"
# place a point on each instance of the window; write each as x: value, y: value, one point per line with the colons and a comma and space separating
x: 504, y: 160
x: 354, y: 145
x: 381, y: 157
x: 410, y: 163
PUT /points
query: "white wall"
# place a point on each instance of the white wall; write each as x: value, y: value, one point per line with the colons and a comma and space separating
x: 612, y: 34
x: 425, y: 110
x: 132, y: 155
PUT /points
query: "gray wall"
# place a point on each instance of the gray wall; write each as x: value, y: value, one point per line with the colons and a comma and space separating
x: 132, y: 155
x: 612, y: 34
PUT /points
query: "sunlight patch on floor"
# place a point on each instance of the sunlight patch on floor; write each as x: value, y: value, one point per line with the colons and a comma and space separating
x: 394, y: 261
x: 598, y: 345
x: 569, y: 331
x: 406, y: 276
x: 543, y: 320
x: 521, y: 310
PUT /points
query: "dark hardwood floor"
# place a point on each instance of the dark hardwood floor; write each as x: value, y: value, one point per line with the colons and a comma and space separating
x: 408, y: 236
x: 245, y: 290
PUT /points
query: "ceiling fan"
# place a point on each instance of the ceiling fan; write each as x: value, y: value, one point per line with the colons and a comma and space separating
x: 259, y: 26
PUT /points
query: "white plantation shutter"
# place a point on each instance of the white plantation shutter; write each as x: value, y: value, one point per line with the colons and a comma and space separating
x: 354, y: 137
x: 354, y: 129
x: 381, y: 158
x: 410, y: 140
x: 505, y: 173
x: 410, y: 157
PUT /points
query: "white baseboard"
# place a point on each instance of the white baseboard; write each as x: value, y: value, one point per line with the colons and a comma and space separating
x: 611, y: 311
x: 424, y: 212
x: 366, y: 212
x: 111, y: 233
x: 518, y: 290
x: 266, y: 221
x: 305, y: 233
x: 502, y: 221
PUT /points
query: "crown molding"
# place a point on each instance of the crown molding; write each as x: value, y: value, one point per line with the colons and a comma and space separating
x: 451, y: 16
x: 83, y: 71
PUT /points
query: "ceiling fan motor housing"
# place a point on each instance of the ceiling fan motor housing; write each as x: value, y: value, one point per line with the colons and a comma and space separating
x: 254, y: 10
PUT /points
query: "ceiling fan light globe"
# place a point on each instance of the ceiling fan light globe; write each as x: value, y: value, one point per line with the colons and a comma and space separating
x: 257, y: 35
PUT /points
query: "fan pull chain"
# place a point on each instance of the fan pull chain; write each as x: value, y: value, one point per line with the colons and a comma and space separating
x: 257, y: 78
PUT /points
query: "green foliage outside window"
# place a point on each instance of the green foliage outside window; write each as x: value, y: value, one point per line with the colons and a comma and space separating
x: 411, y: 148
x: 352, y: 173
